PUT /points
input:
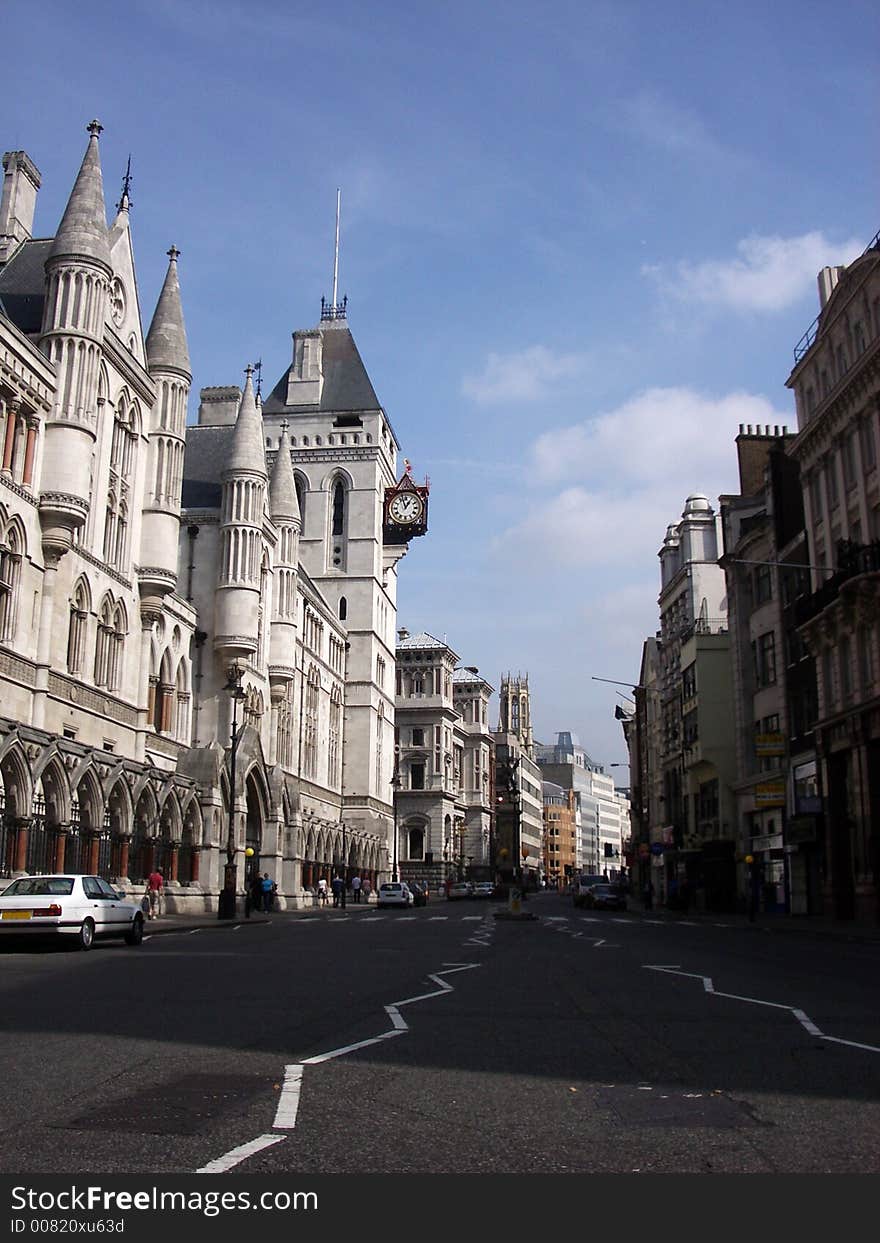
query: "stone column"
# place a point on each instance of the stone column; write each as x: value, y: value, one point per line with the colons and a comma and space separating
x: 22, y: 824
x: 30, y: 444
x: 12, y: 409
x: 194, y: 866
x: 172, y: 861
x: 52, y: 556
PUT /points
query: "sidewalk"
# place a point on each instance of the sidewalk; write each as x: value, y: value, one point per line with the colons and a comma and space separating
x: 818, y: 925
x: 794, y: 925
x: 190, y: 921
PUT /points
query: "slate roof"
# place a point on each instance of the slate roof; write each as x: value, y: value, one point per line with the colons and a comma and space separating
x: 23, y: 283
x: 208, y: 450
x: 346, y: 383
x: 421, y: 641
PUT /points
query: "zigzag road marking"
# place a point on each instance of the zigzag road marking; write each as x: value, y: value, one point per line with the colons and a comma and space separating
x: 804, y: 1019
x: 288, y: 1104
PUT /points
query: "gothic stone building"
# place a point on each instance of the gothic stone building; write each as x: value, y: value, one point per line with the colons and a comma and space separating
x: 160, y: 582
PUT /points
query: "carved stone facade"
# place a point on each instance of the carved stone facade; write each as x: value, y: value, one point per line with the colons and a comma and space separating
x: 149, y: 567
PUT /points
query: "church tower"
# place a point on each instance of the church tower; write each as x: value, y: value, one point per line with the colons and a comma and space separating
x: 515, y: 715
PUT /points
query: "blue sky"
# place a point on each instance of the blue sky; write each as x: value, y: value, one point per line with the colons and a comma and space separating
x: 579, y: 243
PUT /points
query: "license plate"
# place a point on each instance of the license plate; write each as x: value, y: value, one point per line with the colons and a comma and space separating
x: 15, y: 915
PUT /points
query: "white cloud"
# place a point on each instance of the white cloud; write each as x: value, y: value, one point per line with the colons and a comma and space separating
x: 523, y: 375
x: 663, y: 124
x: 621, y: 478
x: 767, y: 274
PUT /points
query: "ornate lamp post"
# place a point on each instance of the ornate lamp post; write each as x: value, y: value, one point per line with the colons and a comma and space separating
x: 395, y: 786
x: 226, y: 902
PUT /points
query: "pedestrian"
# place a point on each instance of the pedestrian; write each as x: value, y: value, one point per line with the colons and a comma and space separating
x: 322, y: 891
x: 648, y: 896
x: 366, y: 888
x: 155, y: 889
x: 338, y: 887
x: 268, y: 887
x: 356, y: 888
x: 256, y: 891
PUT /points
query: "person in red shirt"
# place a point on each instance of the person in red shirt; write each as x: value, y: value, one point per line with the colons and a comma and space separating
x: 155, y: 888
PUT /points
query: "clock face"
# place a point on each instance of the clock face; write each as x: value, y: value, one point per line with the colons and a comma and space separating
x: 406, y: 508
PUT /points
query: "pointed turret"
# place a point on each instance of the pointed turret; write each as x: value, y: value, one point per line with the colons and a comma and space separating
x: 237, y: 598
x: 83, y: 229
x: 247, y: 452
x: 167, y: 348
x: 283, y: 502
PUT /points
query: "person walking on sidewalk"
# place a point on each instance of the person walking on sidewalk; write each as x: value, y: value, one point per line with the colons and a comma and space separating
x: 155, y: 888
x: 356, y: 888
x: 366, y: 888
x: 267, y: 885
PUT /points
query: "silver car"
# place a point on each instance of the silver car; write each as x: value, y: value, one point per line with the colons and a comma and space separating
x: 69, y: 905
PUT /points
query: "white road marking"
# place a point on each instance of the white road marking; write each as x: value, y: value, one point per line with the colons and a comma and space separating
x: 432, y: 918
x: 804, y: 1019
x: 226, y: 1162
x: 288, y: 1105
x: 192, y: 932
x: 466, y: 917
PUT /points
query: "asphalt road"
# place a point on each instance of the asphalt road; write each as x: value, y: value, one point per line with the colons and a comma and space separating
x: 576, y: 1043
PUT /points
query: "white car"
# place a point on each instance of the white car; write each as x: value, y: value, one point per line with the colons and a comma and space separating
x: 394, y: 893
x: 483, y: 889
x: 69, y: 905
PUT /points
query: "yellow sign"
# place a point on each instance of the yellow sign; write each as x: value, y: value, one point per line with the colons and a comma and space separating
x: 770, y: 794
x: 770, y: 744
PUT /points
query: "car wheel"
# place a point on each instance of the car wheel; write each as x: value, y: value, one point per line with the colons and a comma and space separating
x: 135, y: 934
x: 86, y: 936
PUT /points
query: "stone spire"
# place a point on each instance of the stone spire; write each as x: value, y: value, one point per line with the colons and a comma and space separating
x: 83, y: 229
x: 247, y: 453
x: 283, y: 502
x: 166, y: 341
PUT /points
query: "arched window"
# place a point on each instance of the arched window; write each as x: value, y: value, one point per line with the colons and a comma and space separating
x: 103, y: 645
x: 380, y: 743
x: 181, y: 703
x: 334, y: 750
x: 343, y: 608
x: 11, y: 548
x: 338, y: 524
x: 302, y: 489
x: 76, y: 635
x: 116, y: 648
x: 310, y: 723
x: 415, y: 843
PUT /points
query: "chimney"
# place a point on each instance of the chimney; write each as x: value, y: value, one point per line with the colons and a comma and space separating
x: 402, y: 634
x: 21, y: 181
x: 827, y: 280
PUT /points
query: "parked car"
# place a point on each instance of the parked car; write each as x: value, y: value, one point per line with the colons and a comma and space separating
x: 394, y: 893
x: 483, y: 889
x: 460, y: 889
x: 583, y: 884
x: 419, y: 892
x: 69, y: 905
x: 605, y: 897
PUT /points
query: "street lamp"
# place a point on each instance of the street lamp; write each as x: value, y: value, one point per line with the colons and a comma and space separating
x: 395, y: 786
x: 226, y: 901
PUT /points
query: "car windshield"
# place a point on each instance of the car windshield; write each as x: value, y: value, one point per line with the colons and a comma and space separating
x: 603, y: 890
x: 39, y: 887
x: 394, y: 887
